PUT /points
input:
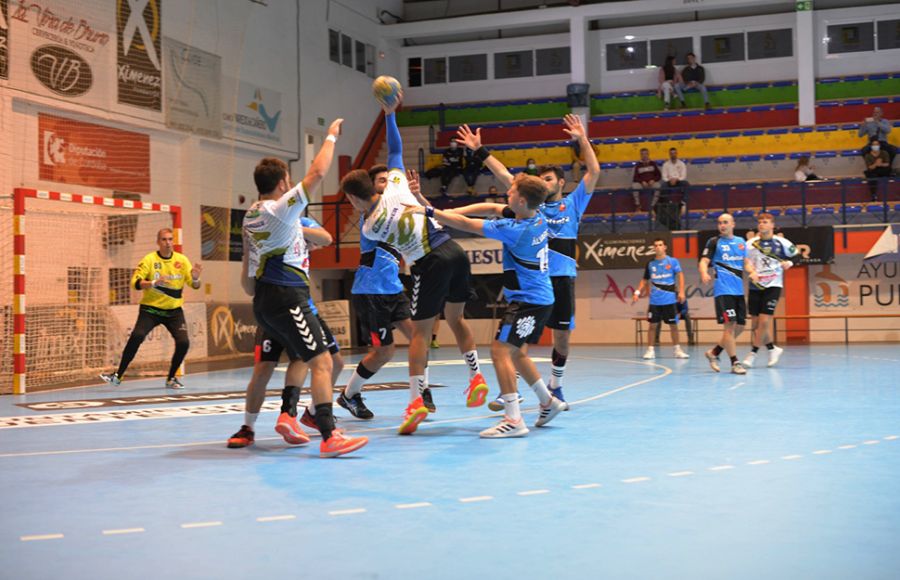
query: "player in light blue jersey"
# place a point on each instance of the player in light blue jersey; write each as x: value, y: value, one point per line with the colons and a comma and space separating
x: 563, y: 216
x: 526, y: 285
x: 726, y: 253
x: 664, y: 281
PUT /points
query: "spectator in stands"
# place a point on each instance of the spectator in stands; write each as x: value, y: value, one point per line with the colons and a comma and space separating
x: 493, y: 196
x: 451, y: 165
x: 669, y: 81
x: 646, y: 176
x: 472, y: 170
x: 878, y: 164
x: 693, y: 76
x: 804, y: 171
x: 674, y: 173
x: 531, y: 168
x: 877, y: 128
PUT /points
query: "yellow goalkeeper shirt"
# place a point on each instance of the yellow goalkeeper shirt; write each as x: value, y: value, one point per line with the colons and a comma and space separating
x: 174, y: 273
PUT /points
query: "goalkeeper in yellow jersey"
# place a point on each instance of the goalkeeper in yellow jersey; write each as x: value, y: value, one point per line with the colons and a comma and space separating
x: 162, y: 275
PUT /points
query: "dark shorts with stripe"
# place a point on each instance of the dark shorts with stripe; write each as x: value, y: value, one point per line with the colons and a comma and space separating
x: 284, y: 314
x: 444, y: 275
x: 377, y: 314
x: 731, y: 308
x: 562, y: 317
x: 763, y: 301
x: 523, y: 323
x: 667, y: 313
x: 268, y: 349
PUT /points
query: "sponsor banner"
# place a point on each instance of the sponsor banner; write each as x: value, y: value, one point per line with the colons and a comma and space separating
x: 251, y: 112
x: 72, y: 151
x: 187, y: 398
x: 193, y: 100
x: 159, y: 345
x: 232, y: 328
x: 611, y: 292
x: 214, y: 233
x: 138, y: 55
x: 850, y: 285
x: 617, y: 251
x: 62, y: 49
x: 336, y: 314
x: 235, y: 239
x: 815, y: 243
x: 486, y: 256
x: 4, y: 39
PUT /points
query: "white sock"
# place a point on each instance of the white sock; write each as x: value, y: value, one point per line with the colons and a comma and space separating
x: 472, y: 361
x: 540, y: 389
x: 250, y: 419
x: 416, y: 383
x: 354, y: 385
x: 512, y: 406
x: 425, y: 383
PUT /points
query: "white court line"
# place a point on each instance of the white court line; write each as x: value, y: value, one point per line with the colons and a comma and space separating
x: 412, y: 506
x: 347, y: 512
x: 721, y: 468
x: 586, y: 486
x: 871, y: 442
x: 41, y: 537
x: 533, y: 492
x: 846, y: 446
x: 822, y: 452
x: 791, y: 457
x: 681, y: 473
x: 123, y: 531
x: 283, y: 518
x: 476, y: 498
x: 891, y: 437
x: 636, y: 479
x: 737, y: 386
x: 192, y: 525
x: 759, y: 462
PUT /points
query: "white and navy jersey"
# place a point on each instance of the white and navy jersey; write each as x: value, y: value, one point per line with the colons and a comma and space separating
x: 391, y: 222
x: 526, y: 276
x: 277, y: 250
x: 726, y: 256
x: 379, y: 268
x: 662, y: 275
x: 767, y: 256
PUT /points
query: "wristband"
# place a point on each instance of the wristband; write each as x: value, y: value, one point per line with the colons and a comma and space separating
x: 481, y: 153
x: 637, y: 294
x: 331, y: 138
x: 429, y: 211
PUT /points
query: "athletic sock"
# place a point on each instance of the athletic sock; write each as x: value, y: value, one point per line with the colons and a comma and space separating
x: 557, y: 369
x: 359, y: 378
x: 754, y: 350
x: 325, y: 420
x: 770, y: 345
x: 250, y: 419
x: 512, y: 406
x: 425, y: 383
x: 472, y: 361
x: 289, y: 398
x: 540, y: 389
x: 416, y: 384
x: 733, y: 359
x: 717, y: 350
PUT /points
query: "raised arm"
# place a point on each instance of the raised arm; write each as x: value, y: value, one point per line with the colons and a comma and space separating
x: 392, y: 133
x: 451, y: 219
x: 473, y: 142
x: 484, y: 209
x: 322, y: 162
x: 576, y: 130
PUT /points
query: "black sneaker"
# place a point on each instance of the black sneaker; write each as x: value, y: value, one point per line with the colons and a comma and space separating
x: 355, y: 405
x: 242, y: 438
x: 428, y: 401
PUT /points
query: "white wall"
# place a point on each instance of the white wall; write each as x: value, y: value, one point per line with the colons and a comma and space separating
x: 854, y: 63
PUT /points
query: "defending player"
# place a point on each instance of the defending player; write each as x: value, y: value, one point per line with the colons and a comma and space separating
x: 162, y: 276
x: 664, y: 281
x: 768, y: 256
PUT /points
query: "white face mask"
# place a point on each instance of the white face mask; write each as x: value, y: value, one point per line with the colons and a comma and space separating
x: 876, y: 148
x: 531, y: 166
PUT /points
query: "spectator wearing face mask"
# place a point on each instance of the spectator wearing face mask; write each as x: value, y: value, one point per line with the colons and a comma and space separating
x: 531, y: 168
x: 877, y: 128
x: 804, y: 171
x: 878, y: 164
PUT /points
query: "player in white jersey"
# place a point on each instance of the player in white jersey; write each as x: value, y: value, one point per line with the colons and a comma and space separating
x: 769, y: 256
x: 281, y: 291
x: 440, y: 270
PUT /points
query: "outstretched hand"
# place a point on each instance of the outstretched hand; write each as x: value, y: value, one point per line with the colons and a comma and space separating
x: 335, y: 127
x: 196, y: 270
x: 471, y: 140
x: 574, y: 127
x: 388, y: 109
x: 412, y: 178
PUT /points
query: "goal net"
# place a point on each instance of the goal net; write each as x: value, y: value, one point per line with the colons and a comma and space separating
x: 78, y: 304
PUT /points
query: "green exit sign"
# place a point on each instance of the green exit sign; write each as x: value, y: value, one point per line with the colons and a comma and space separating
x: 804, y: 5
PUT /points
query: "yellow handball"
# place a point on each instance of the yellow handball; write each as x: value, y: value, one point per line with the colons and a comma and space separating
x: 387, y: 90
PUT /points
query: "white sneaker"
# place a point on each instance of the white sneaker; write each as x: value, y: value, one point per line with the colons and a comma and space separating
x: 680, y: 353
x: 553, y: 408
x: 749, y: 360
x: 506, y: 428
x: 738, y: 369
x: 650, y: 354
x: 775, y: 355
x: 713, y: 360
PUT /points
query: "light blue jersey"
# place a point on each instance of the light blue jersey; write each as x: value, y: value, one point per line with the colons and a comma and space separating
x: 563, y: 219
x: 379, y: 268
x: 526, y: 277
x: 662, y: 276
x: 726, y: 256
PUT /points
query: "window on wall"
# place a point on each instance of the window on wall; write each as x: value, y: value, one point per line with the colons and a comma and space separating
x: 509, y: 65
x: 553, y: 61
x: 626, y: 56
x: 346, y: 50
x: 414, y: 72
x: 859, y: 37
x: 677, y: 47
x: 360, y: 56
x: 435, y: 71
x: 471, y: 67
x: 334, y: 46
x: 370, y: 61
x: 888, y: 34
x: 722, y: 47
x: 770, y: 44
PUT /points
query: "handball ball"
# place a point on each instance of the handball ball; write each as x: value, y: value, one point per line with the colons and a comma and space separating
x: 387, y: 90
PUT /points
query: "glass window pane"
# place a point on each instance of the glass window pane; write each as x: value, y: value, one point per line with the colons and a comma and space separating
x: 370, y: 60
x: 508, y: 65
x: 414, y: 72
x: 851, y: 37
x: 360, y: 56
x: 677, y: 47
x: 770, y: 44
x: 347, y: 50
x: 334, y: 46
x: 627, y: 55
x: 722, y: 47
x: 553, y: 61
x: 888, y: 34
x: 471, y: 67
x: 435, y: 71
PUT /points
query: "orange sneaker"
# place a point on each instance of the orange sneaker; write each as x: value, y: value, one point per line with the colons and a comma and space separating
x: 242, y: 438
x: 309, y: 420
x: 340, y: 444
x: 477, y: 392
x: 415, y: 413
x: 287, y: 427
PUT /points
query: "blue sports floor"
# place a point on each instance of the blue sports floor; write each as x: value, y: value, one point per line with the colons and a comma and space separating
x: 661, y: 469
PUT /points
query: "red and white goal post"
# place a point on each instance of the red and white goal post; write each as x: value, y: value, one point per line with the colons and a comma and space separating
x: 81, y: 251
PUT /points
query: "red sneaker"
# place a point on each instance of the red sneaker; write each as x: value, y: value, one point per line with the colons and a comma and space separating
x: 340, y: 444
x: 415, y: 413
x: 243, y: 438
x: 287, y: 427
x: 477, y: 392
